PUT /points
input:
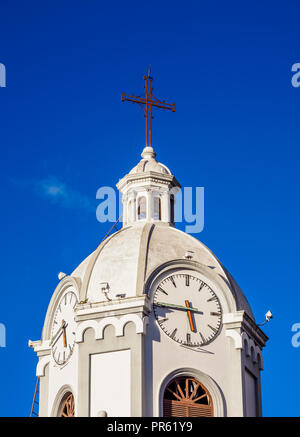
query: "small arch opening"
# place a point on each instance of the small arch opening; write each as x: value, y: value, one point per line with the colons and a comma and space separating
x: 141, y: 210
x: 252, y: 353
x: 258, y: 359
x: 157, y: 208
x: 172, y: 205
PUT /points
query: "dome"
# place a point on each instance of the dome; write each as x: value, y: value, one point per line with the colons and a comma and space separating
x: 126, y: 259
x: 149, y: 163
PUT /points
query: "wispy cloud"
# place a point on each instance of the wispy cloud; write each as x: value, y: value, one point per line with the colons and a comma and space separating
x: 62, y: 194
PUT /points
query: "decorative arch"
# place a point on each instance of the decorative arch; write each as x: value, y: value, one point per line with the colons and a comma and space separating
x: 245, y: 340
x: 42, y: 364
x: 119, y: 325
x: 259, y: 358
x: 64, y: 403
x: 213, y: 406
x: 252, y: 350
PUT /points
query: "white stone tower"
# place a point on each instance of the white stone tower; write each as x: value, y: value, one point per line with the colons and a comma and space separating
x: 151, y: 323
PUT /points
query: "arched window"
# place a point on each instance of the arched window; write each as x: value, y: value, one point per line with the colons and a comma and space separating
x: 258, y: 359
x: 187, y: 397
x: 129, y: 211
x: 172, y: 204
x: 67, y: 408
x: 157, y: 208
x: 252, y: 354
x: 246, y: 348
x: 142, y: 208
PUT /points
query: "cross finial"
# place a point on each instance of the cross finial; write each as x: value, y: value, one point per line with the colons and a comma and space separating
x: 147, y: 103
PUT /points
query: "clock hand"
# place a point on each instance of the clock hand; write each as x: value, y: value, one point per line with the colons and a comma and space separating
x: 56, y: 338
x: 178, y: 307
x: 64, y: 335
x: 63, y: 324
x: 189, y: 314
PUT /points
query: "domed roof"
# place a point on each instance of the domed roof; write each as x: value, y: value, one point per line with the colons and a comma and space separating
x: 149, y: 163
x: 126, y: 259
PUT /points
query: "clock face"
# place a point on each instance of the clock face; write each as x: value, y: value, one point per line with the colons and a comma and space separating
x: 187, y: 310
x: 63, y: 329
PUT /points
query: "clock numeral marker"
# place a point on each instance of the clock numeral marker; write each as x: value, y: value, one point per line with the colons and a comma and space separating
x: 201, y: 286
x: 214, y: 329
x: 213, y: 313
x: 172, y: 280
x: 187, y: 280
x: 173, y: 333
x: 202, y: 338
x: 160, y: 321
x: 212, y: 298
x: 188, y: 338
x: 163, y: 291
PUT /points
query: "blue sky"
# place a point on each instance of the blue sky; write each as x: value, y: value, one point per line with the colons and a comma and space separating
x: 64, y: 133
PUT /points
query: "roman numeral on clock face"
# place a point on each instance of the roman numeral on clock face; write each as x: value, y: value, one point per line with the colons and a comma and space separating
x: 202, y: 338
x: 212, y: 298
x: 187, y: 280
x: 172, y: 280
x: 173, y: 333
x: 163, y: 291
x: 212, y: 328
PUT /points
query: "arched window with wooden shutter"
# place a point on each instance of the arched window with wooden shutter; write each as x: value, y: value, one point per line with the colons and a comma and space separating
x: 67, y: 408
x: 187, y: 397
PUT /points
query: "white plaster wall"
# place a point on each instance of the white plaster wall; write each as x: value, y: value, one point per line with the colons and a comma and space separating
x: 251, y: 394
x: 117, y: 264
x: 160, y: 361
x: 219, y: 361
x: 60, y: 376
x: 110, y: 383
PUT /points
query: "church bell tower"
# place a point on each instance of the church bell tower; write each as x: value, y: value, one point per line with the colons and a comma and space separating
x: 150, y: 323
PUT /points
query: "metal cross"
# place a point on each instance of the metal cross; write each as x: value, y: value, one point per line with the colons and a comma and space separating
x: 147, y: 103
